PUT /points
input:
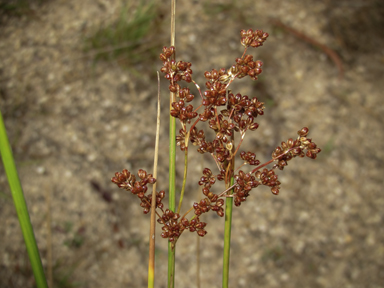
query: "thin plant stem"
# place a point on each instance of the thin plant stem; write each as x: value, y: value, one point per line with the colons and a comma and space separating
x: 198, y: 266
x: 21, y: 207
x: 185, y: 175
x: 172, y: 196
x: 172, y: 159
x: 186, y: 213
x: 151, y: 261
x: 228, y: 220
x: 256, y: 169
x: 227, y: 237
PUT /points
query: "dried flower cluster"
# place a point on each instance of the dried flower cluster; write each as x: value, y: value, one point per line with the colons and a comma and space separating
x: 226, y: 114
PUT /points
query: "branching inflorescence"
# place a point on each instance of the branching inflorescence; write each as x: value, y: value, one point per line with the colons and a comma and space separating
x: 226, y: 114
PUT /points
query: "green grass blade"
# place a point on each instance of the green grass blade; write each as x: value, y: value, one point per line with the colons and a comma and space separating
x: 21, y: 207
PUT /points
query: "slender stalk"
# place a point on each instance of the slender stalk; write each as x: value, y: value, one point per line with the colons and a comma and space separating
x: 185, y: 175
x: 256, y: 169
x: 172, y: 196
x: 198, y: 281
x: 228, y: 220
x: 227, y: 237
x: 151, y: 261
x: 21, y: 207
x: 172, y: 160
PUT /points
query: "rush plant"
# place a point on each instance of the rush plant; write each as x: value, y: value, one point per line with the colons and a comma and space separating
x: 230, y: 116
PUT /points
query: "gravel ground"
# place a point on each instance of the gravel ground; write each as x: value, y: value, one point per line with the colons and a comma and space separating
x: 74, y: 122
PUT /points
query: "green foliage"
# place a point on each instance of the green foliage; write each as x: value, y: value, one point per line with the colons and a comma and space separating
x: 131, y: 38
x: 274, y: 253
x: 329, y: 146
x: 217, y: 8
x: 21, y: 206
x: 63, y: 274
x: 76, y: 238
x: 5, y: 196
x: 231, y: 10
x: 17, y: 7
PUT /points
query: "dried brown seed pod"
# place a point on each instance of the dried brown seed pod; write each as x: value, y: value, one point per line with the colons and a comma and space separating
x: 303, y: 132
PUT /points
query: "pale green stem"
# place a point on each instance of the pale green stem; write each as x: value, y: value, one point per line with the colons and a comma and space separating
x: 228, y: 218
x: 21, y: 207
x: 172, y: 161
x: 227, y: 236
x: 185, y: 175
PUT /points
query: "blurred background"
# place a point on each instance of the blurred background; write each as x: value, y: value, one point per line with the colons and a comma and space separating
x: 78, y: 91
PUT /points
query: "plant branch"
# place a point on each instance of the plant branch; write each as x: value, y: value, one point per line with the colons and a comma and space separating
x: 185, y: 172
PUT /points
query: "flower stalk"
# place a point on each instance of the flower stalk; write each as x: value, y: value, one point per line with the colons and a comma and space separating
x: 226, y: 114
